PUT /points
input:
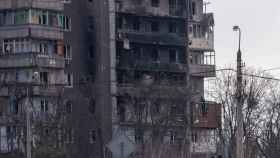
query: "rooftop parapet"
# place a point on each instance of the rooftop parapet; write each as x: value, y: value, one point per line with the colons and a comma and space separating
x: 57, y: 5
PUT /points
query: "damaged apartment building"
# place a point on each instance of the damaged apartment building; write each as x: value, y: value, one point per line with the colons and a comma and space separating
x: 113, y: 68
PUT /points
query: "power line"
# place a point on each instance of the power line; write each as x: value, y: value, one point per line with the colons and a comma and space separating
x: 244, y: 74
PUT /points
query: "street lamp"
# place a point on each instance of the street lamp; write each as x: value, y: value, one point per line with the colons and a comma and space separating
x: 239, y: 115
x: 237, y: 28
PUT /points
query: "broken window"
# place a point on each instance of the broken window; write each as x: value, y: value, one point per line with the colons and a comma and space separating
x: 90, y: 23
x: 155, y: 55
x: 194, y: 137
x: 193, y: 8
x: 172, y: 27
x: 155, y: 3
x: 91, y: 52
x: 14, y: 107
x: 119, y: 22
x: 92, y: 136
x: 139, y: 135
x: 136, y: 24
x: 69, y: 107
x: 67, y: 23
x: 173, y: 56
x: 204, y: 106
x: 172, y: 135
x: 67, y: 54
x: 69, y: 80
x: 121, y: 112
x: 155, y: 26
x: 173, y: 110
x: 70, y: 134
x: 21, y: 17
x: 44, y: 77
x: 92, y: 106
x: 44, y: 106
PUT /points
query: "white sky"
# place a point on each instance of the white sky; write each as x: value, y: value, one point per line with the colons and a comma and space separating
x: 260, y: 24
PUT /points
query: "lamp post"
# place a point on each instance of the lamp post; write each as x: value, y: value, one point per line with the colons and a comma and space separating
x: 239, y: 115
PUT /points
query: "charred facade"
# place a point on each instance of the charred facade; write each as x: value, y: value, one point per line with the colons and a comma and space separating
x: 110, y: 68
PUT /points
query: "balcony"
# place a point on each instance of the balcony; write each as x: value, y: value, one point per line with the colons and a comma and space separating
x: 152, y: 66
x: 161, y: 91
x: 47, y: 90
x: 198, y: 70
x: 141, y: 8
x: 203, y: 64
x: 210, y: 119
x: 43, y: 4
x: 30, y: 60
x: 35, y: 31
x: 151, y: 38
x: 202, y: 44
x: 201, y: 33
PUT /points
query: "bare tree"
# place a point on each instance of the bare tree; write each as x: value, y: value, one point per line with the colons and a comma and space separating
x: 255, y: 90
x: 268, y: 138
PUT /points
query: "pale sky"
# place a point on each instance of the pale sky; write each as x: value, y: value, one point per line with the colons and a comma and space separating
x: 260, y: 24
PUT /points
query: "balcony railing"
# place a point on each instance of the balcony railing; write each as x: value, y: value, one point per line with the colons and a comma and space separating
x: 201, y: 70
x: 43, y: 4
x: 27, y: 60
x: 153, y: 66
x: 210, y: 118
x: 145, y: 10
x: 31, y: 30
x: 160, y: 91
x: 45, y: 90
x: 202, y: 43
x: 151, y: 37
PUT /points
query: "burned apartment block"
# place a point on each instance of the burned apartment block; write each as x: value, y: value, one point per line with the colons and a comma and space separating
x: 206, y: 115
x: 117, y: 70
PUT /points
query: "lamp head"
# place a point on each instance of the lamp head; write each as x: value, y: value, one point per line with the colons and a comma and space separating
x: 236, y: 28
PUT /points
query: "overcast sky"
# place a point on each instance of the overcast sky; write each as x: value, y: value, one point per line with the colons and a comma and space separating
x: 260, y: 24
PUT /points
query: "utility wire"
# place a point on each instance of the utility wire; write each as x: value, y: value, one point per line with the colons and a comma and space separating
x: 244, y: 74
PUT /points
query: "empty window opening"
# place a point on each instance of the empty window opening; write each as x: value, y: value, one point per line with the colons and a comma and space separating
x: 172, y: 27
x: 155, y: 26
x: 92, y: 136
x: 92, y: 106
x: 173, y: 56
x: 155, y: 3
x: 91, y: 52
x: 121, y: 112
x: 14, y: 107
x: 44, y: 77
x: 136, y: 24
x: 44, y: 106
x: 90, y: 23
x: 139, y: 136
x: 69, y: 107
x: 193, y: 8
x: 69, y: 80
x: 155, y: 55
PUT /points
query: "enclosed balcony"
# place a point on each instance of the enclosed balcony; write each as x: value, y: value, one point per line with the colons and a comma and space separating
x: 43, y: 4
x: 206, y: 115
x: 151, y: 38
x: 29, y: 60
x: 201, y: 34
x: 47, y: 90
x: 164, y: 9
x: 203, y: 64
x: 152, y: 66
x: 34, y: 31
